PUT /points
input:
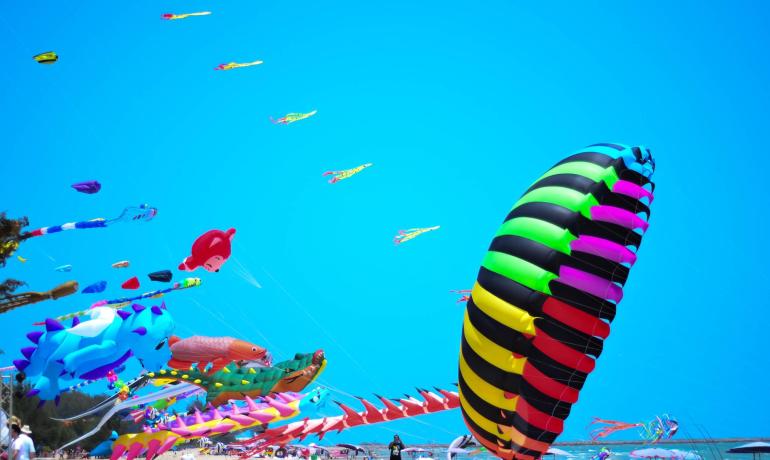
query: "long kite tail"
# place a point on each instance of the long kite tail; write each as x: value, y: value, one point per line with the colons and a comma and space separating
x: 612, y: 427
x: 130, y: 214
x: 95, y: 223
x: 125, y: 405
x: 393, y: 409
x: 133, y: 385
x: 125, y: 301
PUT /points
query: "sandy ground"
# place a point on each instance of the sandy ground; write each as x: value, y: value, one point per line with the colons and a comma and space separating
x: 195, y: 452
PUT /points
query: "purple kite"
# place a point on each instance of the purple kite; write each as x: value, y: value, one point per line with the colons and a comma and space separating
x: 89, y: 186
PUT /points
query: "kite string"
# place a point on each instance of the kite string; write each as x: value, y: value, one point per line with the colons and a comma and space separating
x: 320, y: 327
x: 220, y: 319
x: 238, y: 332
x: 242, y: 272
x: 256, y: 329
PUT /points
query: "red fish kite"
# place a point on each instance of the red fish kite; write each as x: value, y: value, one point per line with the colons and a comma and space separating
x: 219, y: 351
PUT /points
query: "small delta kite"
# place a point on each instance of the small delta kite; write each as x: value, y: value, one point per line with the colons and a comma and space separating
x: 345, y: 173
x: 90, y: 187
x: 236, y: 65
x: 406, y: 235
x: 464, y: 293
x: 49, y: 57
x: 292, y: 117
x: 174, y: 17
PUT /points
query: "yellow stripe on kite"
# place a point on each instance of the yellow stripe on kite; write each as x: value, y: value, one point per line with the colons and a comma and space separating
x: 483, y: 423
x: 502, y: 311
x: 490, y: 351
x: 485, y: 390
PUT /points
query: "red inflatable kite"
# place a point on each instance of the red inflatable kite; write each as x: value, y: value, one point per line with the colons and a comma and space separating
x: 210, y: 251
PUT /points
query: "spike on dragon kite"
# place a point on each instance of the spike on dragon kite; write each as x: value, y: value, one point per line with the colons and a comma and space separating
x: 345, y: 173
x: 231, y: 383
x: 406, y: 235
x: 406, y: 407
x: 292, y: 117
x: 174, y: 17
x: 237, y: 65
x: 215, y: 421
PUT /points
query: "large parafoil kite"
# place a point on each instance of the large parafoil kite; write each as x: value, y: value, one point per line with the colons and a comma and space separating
x: 546, y: 291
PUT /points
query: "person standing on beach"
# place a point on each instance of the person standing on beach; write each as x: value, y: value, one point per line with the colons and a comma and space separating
x: 22, y: 447
x: 395, y: 447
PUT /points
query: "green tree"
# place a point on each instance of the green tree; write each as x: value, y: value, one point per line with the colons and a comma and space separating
x: 50, y: 434
x: 10, y: 237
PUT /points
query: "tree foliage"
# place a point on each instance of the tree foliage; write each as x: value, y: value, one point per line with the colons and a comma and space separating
x: 50, y: 434
x: 10, y: 235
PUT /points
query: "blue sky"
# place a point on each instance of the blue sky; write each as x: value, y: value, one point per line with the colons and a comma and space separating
x: 460, y: 106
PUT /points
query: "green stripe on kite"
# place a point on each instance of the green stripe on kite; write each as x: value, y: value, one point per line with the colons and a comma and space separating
x: 543, y: 232
x: 603, y: 149
x: 562, y: 196
x: 588, y: 170
x: 521, y: 271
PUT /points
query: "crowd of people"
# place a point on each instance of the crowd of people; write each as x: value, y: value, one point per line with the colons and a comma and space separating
x: 20, y: 446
